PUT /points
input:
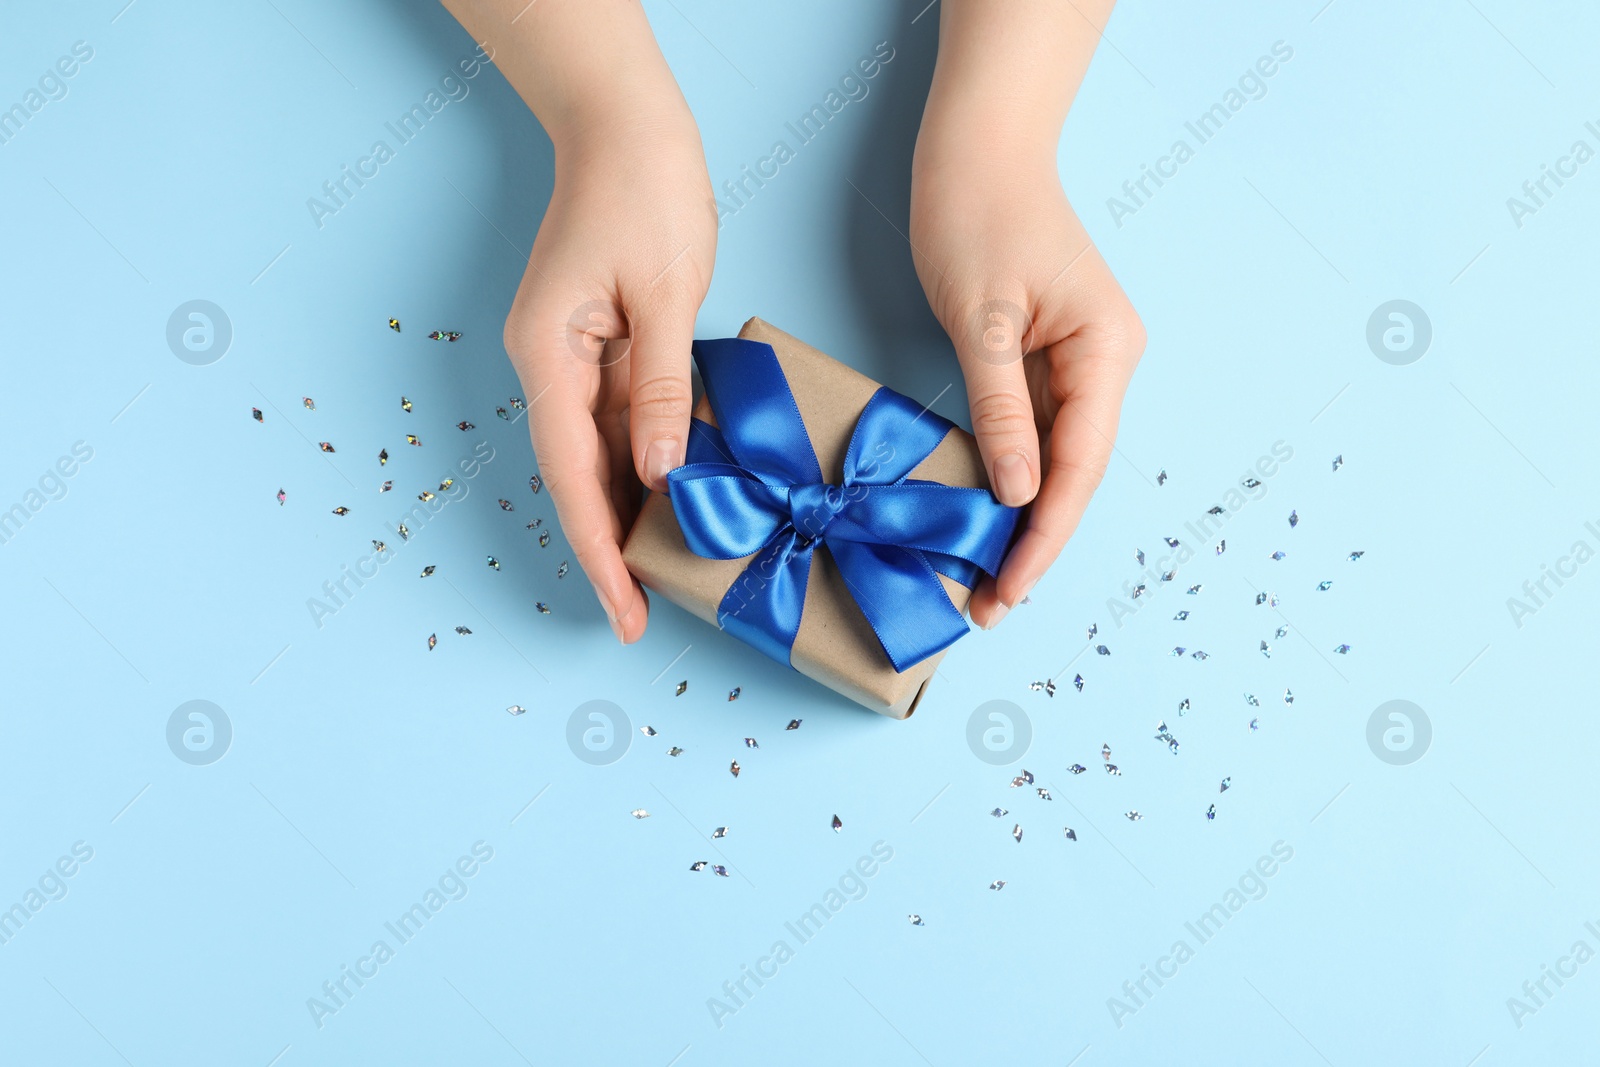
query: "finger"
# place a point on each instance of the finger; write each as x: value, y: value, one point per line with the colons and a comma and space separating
x: 660, y: 396
x: 575, y: 465
x: 990, y: 350
x: 1080, y: 448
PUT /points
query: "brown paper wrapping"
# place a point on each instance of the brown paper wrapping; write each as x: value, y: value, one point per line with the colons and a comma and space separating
x: 835, y: 644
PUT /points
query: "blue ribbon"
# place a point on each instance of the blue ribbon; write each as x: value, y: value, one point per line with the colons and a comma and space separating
x: 754, y: 486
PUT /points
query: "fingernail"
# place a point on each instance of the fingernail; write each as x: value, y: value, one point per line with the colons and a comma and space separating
x: 995, y: 617
x: 660, y: 458
x: 1013, y: 481
x: 611, y: 613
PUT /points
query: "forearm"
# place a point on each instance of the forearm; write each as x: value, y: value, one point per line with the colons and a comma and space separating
x: 582, y: 66
x: 1006, y: 74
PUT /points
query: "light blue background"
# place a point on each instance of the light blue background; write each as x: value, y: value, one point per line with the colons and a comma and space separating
x: 1419, y: 898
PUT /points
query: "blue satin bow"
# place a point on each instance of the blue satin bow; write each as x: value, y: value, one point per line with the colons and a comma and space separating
x: 755, y: 486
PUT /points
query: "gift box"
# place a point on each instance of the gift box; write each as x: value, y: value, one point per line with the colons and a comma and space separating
x: 831, y: 523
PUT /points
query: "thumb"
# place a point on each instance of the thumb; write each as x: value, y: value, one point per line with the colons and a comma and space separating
x: 660, y: 397
x: 990, y: 349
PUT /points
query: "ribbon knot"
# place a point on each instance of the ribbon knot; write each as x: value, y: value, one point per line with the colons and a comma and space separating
x: 752, y: 486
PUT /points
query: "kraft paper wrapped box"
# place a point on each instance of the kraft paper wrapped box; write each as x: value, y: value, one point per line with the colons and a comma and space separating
x: 835, y: 644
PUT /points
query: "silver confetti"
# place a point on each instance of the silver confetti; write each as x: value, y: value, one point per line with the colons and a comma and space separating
x: 1102, y: 649
x: 1342, y: 650
x: 698, y: 865
x: 1200, y: 655
x: 1338, y: 461
x: 541, y: 607
x: 1071, y: 836
x: 1266, y: 650
x: 648, y: 731
x: 1183, y: 705
x: 1179, y: 650
x: 1172, y: 542
x: 733, y: 768
x: 1044, y: 794
x: 516, y: 709
x: 535, y: 484
x: 1138, y: 554
x: 463, y: 631
x: 1167, y: 576
x: 1217, y: 510
x: 719, y: 833
x: 1016, y: 833
x: 1323, y: 587
x: 1282, y: 631
x: 733, y: 694
x: 506, y: 505
x: 1077, y: 682
x: 999, y: 813
x: 1255, y: 724
x: 1356, y: 555
x: 1222, y: 546
x: 1194, y: 590
x: 1261, y: 598
x: 1211, y: 812
x: 494, y: 563
x: 1180, y: 616
x: 915, y: 920
x: 794, y: 724
x: 1077, y: 768
x: 1105, y: 751
x: 640, y: 813
x: 1133, y: 816
x: 997, y: 884
x: 1161, y: 477
x: 544, y: 539
x: 674, y: 751
x: 750, y: 742
x: 1294, y: 519
x: 719, y: 870
x: 1279, y: 555
x: 1113, y: 770
x: 1094, y: 628
x: 1250, y: 483
x: 1288, y: 696
x: 1226, y: 782
x: 561, y: 571
x: 1251, y: 700
x: 683, y: 687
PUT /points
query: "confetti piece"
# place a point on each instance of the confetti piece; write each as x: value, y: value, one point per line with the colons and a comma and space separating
x: 915, y: 920
x: 719, y: 870
x: 1226, y: 782
x: 447, y: 483
x: 1279, y: 555
x: 425, y: 496
x: 999, y: 813
x: 1261, y: 598
x: 1077, y: 683
x: 1138, y: 591
x: 648, y: 731
x: 1282, y: 630
x: 719, y: 832
x: 1356, y: 555
x: 1222, y: 546
x: 516, y: 709
x: 394, y: 324
x: 383, y: 456
x: 311, y: 405
x: 1255, y: 724
x: 404, y: 532
x: 1178, y: 650
x: 1214, y: 511
x: 794, y: 724
x: 1105, y: 751
x: 1194, y: 590
x: 516, y: 403
x: 1266, y: 650
x: 1094, y: 628
x: 1161, y: 477
x: 341, y: 510
x: 494, y: 563
x: 1252, y: 701
x: 1172, y: 542
x: 1027, y: 776
x: 1138, y: 554
x: 1071, y: 834
x: 463, y: 631
x: 412, y: 439
x: 535, y: 484
x: 502, y: 413
x: 385, y: 487
x: 281, y: 498
x: 541, y: 607
x: 443, y: 335
x: 1183, y: 705
x: 505, y: 505
x: 325, y: 446
x: 837, y: 824
x: 1338, y: 461
x: 750, y: 742
x: 1016, y: 833
x: 535, y: 524
x: 1211, y: 812
x: 1323, y: 587
x: 426, y: 571
x: 674, y: 751
x: 733, y: 768
x: 1103, y: 650
x: 733, y: 694
x: 1113, y: 770
x: 1133, y: 816
x: 683, y: 687
x: 379, y: 546
x: 1202, y: 656
x: 1343, y: 650
x: 255, y: 413
x: 544, y: 539
x: 1044, y: 794
x: 1077, y: 768
x: 1180, y: 616
x: 561, y: 571
x: 997, y: 885
x: 698, y: 865
x: 1294, y: 519
x: 1288, y: 696
x: 433, y: 640
x: 1035, y: 686
x: 405, y: 405
x: 639, y: 813
x: 1169, y: 575
x: 464, y: 426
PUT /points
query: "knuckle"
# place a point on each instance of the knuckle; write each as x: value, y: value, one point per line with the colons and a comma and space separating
x: 660, y: 399
x: 1000, y: 415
